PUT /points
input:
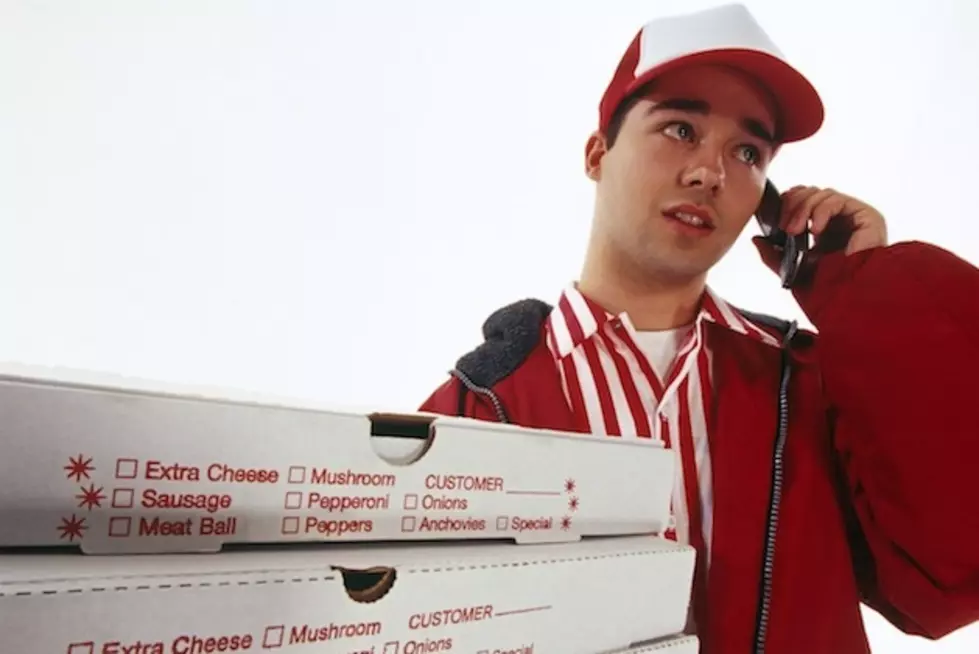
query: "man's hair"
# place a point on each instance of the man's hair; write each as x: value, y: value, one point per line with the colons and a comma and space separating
x: 618, y: 116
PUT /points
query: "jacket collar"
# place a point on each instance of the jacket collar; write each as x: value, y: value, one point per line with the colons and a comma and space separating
x: 577, y: 318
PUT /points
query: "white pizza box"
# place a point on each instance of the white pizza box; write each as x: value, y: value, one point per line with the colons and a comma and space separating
x: 116, y: 465
x: 680, y: 644
x: 596, y: 595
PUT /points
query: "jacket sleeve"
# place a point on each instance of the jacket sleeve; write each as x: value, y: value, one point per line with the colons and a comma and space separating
x: 451, y: 399
x: 898, y: 349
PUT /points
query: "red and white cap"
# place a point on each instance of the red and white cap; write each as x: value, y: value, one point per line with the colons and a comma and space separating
x: 726, y: 35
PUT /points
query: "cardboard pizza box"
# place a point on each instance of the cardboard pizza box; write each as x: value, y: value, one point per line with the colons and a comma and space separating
x: 681, y: 644
x: 115, y: 465
x: 596, y: 595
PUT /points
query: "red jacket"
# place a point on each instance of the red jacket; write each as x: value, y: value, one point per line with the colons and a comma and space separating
x: 875, y: 468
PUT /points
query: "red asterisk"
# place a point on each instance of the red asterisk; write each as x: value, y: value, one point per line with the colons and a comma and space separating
x: 569, y: 486
x: 79, y: 467
x: 566, y: 523
x: 90, y: 497
x: 573, y: 504
x: 72, y: 528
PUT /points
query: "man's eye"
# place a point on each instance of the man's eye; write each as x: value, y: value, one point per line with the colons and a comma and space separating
x: 749, y: 154
x: 682, y: 131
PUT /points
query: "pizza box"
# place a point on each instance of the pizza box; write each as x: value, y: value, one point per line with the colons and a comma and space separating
x: 682, y: 644
x: 596, y: 595
x: 114, y: 465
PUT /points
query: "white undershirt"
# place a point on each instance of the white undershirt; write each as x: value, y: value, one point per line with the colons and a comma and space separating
x: 660, y: 347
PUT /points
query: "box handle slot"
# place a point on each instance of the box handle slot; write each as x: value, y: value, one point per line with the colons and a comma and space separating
x: 386, y: 424
x: 415, y: 430
x: 370, y: 585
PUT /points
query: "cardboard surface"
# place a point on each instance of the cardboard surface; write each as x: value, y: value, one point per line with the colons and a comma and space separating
x: 115, y: 465
x: 672, y: 645
x: 593, y: 596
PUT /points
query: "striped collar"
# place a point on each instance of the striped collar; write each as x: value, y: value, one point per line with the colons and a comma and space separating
x: 576, y: 318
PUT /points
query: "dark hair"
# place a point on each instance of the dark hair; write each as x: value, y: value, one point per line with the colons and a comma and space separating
x: 618, y: 116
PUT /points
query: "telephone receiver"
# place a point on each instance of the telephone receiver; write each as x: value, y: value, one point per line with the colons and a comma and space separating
x: 794, y: 249
x: 798, y: 251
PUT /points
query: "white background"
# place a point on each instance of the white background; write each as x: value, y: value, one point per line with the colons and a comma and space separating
x: 326, y: 199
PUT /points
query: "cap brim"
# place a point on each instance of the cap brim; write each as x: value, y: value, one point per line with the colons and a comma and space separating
x: 800, y: 108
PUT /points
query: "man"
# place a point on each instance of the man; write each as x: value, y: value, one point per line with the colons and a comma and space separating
x: 815, y: 472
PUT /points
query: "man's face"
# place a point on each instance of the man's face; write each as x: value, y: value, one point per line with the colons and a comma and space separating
x: 685, y: 173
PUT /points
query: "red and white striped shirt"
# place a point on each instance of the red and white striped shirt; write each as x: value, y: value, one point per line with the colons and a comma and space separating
x: 612, y: 387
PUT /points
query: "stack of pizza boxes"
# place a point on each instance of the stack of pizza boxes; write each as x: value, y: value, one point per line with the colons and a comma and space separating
x: 143, y: 518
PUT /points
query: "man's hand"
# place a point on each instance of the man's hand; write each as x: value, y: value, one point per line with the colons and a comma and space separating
x: 833, y: 219
x: 836, y: 221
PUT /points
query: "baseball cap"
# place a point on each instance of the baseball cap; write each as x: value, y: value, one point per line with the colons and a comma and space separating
x: 726, y: 35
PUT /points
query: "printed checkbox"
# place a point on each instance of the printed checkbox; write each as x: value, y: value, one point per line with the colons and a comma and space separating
x: 127, y: 468
x: 273, y: 637
x: 297, y: 475
x: 408, y: 523
x: 122, y: 498
x: 81, y: 648
x: 120, y: 527
x: 411, y: 502
x: 290, y: 525
x: 392, y: 647
x: 294, y: 500
x: 501, y: 523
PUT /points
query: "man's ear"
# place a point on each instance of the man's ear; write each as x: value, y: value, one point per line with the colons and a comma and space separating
x: 595, y: 150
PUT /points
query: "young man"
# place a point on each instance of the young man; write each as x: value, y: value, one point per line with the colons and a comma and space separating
x: 815, y: 472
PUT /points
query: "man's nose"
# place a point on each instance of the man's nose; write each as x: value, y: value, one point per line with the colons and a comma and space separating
x: 706, y: 171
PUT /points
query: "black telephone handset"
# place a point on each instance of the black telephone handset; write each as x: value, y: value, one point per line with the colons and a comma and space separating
x: 794, y: 249
x: 800, y: 252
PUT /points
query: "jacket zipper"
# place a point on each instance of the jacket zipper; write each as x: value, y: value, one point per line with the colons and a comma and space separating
x: 488, y: 393
x: 778, y: 471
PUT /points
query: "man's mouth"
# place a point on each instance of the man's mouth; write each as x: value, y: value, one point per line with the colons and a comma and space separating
x: 688, y: 218
x: 692, y: 217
